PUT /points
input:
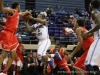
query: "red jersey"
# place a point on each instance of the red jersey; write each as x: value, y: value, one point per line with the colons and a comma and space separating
x: 87, y: 41
x: 12, y: 22
x: 61, y: 52
x: 19, y: 51
x: 61, y: 63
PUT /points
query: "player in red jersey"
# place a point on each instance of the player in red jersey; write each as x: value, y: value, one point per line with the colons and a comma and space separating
x: 62, y: 64
x: 19, y: 60
x: 85, y: 43
x: 8, y: 39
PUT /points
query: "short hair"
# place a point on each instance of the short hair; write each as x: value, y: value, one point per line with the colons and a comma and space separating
x: 95, y: 3
x: 14, y: 5
x: 58, y: 44
x: 80, y: 22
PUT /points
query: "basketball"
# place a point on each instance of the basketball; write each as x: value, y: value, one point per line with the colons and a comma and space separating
x: 26, y: 17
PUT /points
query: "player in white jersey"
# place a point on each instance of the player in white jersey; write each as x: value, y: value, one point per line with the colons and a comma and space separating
x: 92, y: 61
x: 42, y: 33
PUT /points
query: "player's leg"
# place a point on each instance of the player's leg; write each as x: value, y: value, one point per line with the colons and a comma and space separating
x: 79, y: 71
x: 10, y: 60
x: 2, y: 57
x: 79, y: 65
x: 42, y: 48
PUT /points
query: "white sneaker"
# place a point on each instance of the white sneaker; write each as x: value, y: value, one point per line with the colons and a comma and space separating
x: 3, y: 74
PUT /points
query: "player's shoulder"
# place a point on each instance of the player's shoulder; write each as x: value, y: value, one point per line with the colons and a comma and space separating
x: 95, y: 13
x: 79, y: 28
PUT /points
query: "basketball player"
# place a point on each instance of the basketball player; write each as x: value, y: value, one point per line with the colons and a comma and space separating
x: 44, y: 42
x: 92, y: 61
x: 82, y: 43
x: 8, y: 39
x: 62, y: 64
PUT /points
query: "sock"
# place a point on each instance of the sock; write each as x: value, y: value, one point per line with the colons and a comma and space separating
x: 48, y: 59
x: 52, y: 55
x: 5, y: 71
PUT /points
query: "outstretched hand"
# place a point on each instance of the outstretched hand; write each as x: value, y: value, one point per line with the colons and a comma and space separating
x: 70, y: 56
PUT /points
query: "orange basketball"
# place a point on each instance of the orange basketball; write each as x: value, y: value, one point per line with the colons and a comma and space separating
x: 26, y: 17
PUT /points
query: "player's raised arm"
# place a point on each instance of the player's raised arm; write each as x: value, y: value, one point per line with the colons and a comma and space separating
x: 5, y: 10
x: 21, y: 14
x: 29, y: 28
x: 40, y: 19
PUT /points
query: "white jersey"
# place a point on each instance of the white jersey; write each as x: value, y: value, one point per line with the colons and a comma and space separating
x: 97, y: 33
x: 42, y: 31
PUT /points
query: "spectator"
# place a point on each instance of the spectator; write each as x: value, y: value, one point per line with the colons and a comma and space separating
x: 71, y: 20
x: 62, y: 11
x: 78, y: 12
x: 7, y: 6
x: 38, y: 66
x: 43, y: 13
x: 28, y: 65
x: 84, y: 12
x: 49, y: 11
x: 59, y: 19
x: 65, y: 19
x: 75, y: 14
x: 86, y: 17
x: 33, y: 15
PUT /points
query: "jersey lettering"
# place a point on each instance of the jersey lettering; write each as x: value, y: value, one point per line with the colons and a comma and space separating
x: 39, y: 33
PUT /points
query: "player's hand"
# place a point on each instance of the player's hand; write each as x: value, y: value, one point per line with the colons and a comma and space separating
x: 30, y: 16
x: 70, y: 55
x: 28, y: 13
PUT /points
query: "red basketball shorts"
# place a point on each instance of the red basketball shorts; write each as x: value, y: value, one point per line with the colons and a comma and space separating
x: 8, y: 40
x: 80, y: 62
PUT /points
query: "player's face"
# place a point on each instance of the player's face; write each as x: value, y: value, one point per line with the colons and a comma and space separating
x: 75, y: 25
x: 39, y: 16
x: 57, y: 47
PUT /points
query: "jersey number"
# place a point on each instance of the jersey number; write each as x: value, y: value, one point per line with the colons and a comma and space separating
x: 39, y: 33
